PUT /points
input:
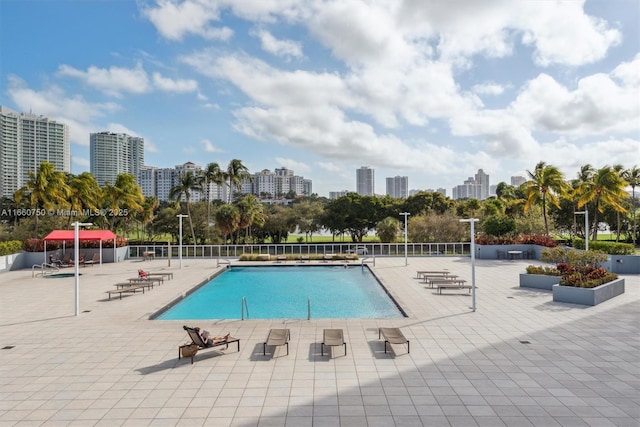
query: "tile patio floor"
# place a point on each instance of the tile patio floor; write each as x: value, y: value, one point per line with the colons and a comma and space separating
x: 112, y: 366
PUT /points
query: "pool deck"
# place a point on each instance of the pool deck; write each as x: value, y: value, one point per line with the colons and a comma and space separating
x: 518, y: 360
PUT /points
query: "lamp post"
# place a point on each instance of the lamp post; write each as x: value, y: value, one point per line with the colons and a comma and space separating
x: 586, y: 227
x: 180, y: 246
x: 472, y: 221
x: 76, y: 257
x: 405, y: 214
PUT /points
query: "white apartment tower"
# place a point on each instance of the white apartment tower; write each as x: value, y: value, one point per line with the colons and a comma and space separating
x: 112, y: 154
x: 398, y: 187
x: 27, y: 140
x: 482, y: 179
x: 365, y: 181
x: 517, y: 181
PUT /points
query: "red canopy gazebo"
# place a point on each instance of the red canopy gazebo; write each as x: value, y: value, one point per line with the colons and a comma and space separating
x: 68, y: 235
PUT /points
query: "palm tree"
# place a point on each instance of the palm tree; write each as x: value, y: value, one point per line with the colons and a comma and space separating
x: 122, y: 199
x: 236, y: 173
x: 85, y: 193
x: 251, y: 212
x: 632, y: 176
x: 545, y: 186
x: 45, y: 189
x: 606, y: 187
x: 584, y: 175
x: 227, y: 220
x: 212, y: 174
x: 188, y: 183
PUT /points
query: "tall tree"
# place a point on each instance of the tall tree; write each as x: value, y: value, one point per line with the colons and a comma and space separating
x: 632, y: 177
x: 606, y: 187
x: 121, y: 199
x: 236, y: 173
x: 545, y: 185
x: 212, y: 174
x: 46, y: 189
x: 84, y: 193
x: 227, y: 220
x: 251, y: 213
x: 187, y: 184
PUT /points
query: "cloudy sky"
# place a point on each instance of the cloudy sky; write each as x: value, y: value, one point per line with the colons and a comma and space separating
x: 433, y: 90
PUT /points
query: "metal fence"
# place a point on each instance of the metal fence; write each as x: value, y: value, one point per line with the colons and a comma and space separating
x: 298, y: 249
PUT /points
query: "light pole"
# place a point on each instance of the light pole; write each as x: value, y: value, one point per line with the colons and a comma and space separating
x: 586, y: 227
x: 405, y: 214
x: 180, y: 246
x: 472, y: 221
x: 76, y: 257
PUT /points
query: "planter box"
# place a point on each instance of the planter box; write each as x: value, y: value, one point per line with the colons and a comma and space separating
x: 586, y: 296
x: 538, y: 281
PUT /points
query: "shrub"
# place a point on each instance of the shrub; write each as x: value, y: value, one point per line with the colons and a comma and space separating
x: 498, y: 225
x: 577, y: 268
x: 526, y: 239
x: 611, y: 248
x: 10, y: 247
x: 538, y: 269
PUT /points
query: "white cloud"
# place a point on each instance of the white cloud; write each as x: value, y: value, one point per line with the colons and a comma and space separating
x: 175, y: 19
x: 79, y: 114
x: 285, y: 48
x: 208, y: 146
x: 488, y: 89
x: 171, y: 85
x: 299, y: 168
x: 112, y: 81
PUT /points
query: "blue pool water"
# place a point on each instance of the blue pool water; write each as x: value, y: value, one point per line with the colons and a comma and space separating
x: 282, y: 292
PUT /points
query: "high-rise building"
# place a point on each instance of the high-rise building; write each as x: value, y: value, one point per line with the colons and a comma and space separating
x: 27, y: 140
x: 398, y: 186
x: 517, y: 181
x: 333, y: 195
x: 112, y: 154
x: 482, y: 179
x: 365, y: 181
x: 477, y: 187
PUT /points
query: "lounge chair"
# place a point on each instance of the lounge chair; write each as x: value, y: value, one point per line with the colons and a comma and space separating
x: 80, y: 261
x: 393, y: 336
x: 95, y: 259
x: 277, y: 337
x: 197, y: 340
x: 332, y: 338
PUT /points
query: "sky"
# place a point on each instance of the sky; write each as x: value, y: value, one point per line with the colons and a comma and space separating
x: 433, y: 90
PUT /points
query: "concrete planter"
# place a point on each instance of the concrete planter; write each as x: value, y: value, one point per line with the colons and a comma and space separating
x: 538, y: 281
x: 588, y: 296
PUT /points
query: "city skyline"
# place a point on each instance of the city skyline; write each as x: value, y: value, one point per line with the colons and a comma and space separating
x: 422, y: 90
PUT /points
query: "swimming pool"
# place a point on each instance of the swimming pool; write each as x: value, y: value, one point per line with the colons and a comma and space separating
x: 284, y: 293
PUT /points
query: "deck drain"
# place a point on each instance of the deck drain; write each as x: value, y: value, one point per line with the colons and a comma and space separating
x: 525, y: 342
x: 86, y: 311
x: 8, y: 347
x: 510, y: 297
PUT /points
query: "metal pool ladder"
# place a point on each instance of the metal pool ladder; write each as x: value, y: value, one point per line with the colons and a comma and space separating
x: 244, y: 307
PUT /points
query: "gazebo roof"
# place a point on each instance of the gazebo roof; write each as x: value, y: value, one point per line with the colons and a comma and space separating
x: 82, y: 235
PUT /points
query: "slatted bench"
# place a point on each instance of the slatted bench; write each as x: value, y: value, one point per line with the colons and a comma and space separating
x: 146, y: 279
x: 127, y: 289
x: 455, y: 286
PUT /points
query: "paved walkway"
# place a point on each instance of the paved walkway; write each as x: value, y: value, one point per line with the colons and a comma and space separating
x: 519, y: 360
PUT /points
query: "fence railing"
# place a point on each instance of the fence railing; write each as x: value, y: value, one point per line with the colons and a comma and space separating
x: 299, y: 249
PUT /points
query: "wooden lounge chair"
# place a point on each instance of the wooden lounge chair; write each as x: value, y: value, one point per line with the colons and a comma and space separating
x: 277, y: 337
x: 333, y: 338
x: 393, y: 336
x: 197, y: 340
x: 95, y: 259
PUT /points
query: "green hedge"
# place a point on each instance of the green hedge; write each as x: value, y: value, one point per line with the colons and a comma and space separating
x: 10, y: 247
x: 611, y: 248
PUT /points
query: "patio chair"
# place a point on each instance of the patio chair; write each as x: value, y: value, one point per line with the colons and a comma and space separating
x: 81, y: 260
x: 66, y: 259
x: 196, y: 340
x: 333, y: 338
x: 393, y: 336
x: 277, y: 337
x: 95, y: 259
